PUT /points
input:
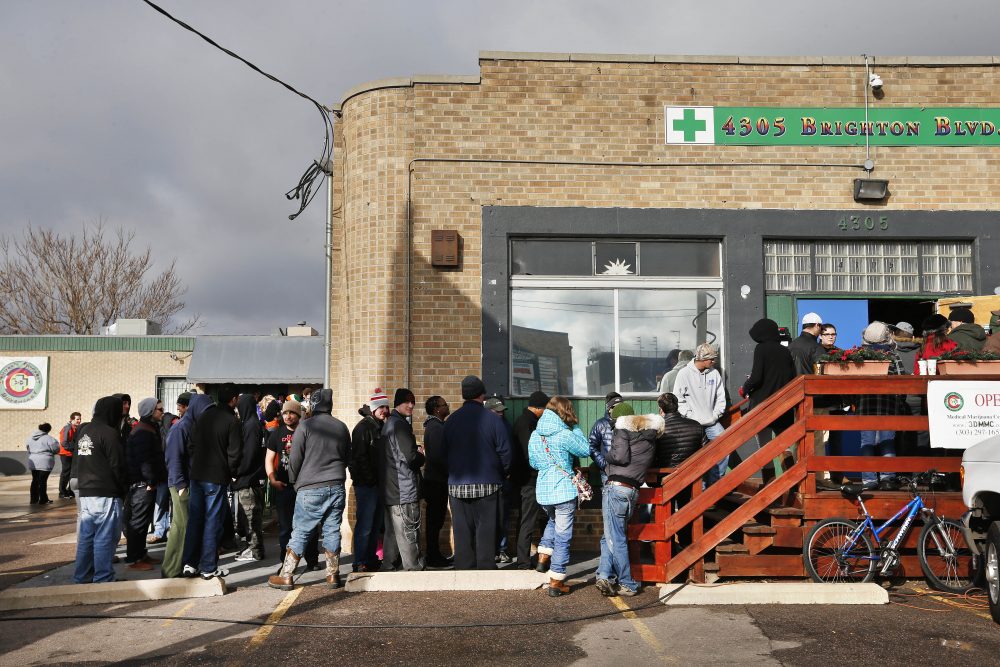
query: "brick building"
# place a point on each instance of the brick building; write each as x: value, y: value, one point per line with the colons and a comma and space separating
x: 610, y: 210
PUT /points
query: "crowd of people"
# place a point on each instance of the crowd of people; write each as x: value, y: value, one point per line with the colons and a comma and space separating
x: 196, y: 479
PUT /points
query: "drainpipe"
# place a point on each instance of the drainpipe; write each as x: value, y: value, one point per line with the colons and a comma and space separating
x: 329, y: 275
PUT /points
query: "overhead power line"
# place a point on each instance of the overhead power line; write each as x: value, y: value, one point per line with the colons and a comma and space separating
x: 303, y: 191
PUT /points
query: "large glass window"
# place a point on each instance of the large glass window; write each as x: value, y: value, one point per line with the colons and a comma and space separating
x: 873, y: 267
x: 615, y: 258
x: 587, y: 342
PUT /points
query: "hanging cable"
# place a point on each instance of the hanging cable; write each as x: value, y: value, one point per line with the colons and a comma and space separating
x: 304, y: 191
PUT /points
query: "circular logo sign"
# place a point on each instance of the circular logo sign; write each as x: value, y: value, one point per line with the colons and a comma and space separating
x: 20, y: 382
x: 953, y: 401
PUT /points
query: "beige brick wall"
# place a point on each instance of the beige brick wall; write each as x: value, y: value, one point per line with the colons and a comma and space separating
x: 78, y: 379
x: 593, y: 112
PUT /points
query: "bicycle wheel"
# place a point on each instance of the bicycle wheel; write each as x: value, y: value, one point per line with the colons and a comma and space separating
x: 945, y: 556
x: 828, y: 560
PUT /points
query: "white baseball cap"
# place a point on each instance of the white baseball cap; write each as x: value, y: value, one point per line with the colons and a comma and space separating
x: 810, y: 319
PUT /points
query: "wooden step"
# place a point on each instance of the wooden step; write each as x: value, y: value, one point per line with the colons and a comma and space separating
x: 731, y: 548
x: 759, y: 529
x: 760, y: 565
x: 785, y: 516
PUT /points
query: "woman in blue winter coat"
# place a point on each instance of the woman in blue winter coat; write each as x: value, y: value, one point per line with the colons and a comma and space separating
x: 42, y: 449
x: 554, y: 443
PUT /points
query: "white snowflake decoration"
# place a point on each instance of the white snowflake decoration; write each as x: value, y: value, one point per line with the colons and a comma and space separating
x: 617, y: 268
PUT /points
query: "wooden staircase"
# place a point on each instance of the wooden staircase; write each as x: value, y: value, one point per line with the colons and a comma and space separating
x: 741, y: 528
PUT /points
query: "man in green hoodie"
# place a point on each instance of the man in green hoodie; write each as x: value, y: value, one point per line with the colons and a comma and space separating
x: 968, y: 335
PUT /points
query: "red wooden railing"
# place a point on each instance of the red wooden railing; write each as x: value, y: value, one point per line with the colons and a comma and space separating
x: 795, y: 446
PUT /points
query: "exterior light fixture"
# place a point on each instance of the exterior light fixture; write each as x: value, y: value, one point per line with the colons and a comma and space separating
x: 870, y: 189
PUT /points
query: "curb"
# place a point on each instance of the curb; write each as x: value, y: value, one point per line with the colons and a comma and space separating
x: 446, y: 580
x: 111, y: 592
x: 774, y: 593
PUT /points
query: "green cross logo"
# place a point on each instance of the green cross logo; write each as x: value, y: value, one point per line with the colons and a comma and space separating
x: 689, y: 125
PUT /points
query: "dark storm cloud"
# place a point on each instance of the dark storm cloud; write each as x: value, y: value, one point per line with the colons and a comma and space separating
x: 109, y: 110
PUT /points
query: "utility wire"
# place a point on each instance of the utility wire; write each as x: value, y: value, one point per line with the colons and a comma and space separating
x: 303, y: 191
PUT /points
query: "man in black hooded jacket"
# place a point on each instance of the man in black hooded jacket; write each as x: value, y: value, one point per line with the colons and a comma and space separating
x: 215, y: 451
x: 101, y: 473
x: 250, y: 479
x: 773, y: 368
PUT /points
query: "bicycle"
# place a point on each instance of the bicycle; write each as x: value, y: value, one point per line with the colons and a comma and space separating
x: 842, y: 550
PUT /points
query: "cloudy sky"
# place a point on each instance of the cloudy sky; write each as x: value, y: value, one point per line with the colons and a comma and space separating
x: 110, y: 111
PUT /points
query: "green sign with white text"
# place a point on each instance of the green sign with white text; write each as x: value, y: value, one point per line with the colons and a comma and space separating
x: 815, y: 126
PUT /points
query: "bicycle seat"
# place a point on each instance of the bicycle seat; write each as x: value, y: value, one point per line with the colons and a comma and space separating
x: 852, y: 491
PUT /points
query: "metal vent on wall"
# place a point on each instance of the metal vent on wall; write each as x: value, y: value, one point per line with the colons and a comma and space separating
x: 444, y: 247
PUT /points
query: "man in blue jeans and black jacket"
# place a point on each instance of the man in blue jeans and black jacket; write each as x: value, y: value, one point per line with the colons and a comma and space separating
x: 216, y: 449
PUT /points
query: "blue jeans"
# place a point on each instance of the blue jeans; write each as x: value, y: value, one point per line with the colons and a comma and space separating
x: 557, y: 536
x: 884, y: 442
x: 367, y: 522
x: 716, y: 472
x: 324, y: 507
x: 98, y: 527
x: 617, y: 505
x: 206, y: 515
x: 161, y: 515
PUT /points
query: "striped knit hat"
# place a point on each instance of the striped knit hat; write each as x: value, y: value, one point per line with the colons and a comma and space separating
x: 378, y: 399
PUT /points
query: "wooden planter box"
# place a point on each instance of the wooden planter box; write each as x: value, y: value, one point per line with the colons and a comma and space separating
x: 945, y: 367
x: 855, y: 368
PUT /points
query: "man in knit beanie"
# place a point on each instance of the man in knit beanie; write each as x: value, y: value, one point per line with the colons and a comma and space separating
x: 400, y: 460
x: 965, y: 332
x: 701, y: 396
x: 364, y: 477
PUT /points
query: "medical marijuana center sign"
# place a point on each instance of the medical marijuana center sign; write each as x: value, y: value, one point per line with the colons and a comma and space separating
x: 24, y: 383
x: 805, y: 126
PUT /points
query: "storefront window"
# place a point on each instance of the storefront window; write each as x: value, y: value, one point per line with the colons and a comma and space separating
x: 551, y: 258
x: 587, y: 342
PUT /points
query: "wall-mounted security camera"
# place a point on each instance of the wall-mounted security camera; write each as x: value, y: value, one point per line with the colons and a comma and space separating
x: 875, y: 81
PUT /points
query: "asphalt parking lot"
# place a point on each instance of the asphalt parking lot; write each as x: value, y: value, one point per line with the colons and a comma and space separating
x: 313, y: 623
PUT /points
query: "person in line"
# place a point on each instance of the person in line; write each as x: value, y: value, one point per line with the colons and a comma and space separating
x: 667, y: 383
x: 524, y: 477
x: 966, y: 334
x: 146, y: 469
x: 496, y: 405
x: 556, y: 440
x: 828, y: 338
x: 806, y: 349
x: 363, y: 467
x: 279, y: 448
x: 992, y: 344
x: 907, y: 347
x: 127, y: 422
x: 601, y: 433
x: 773, y: 368
x: 317, y: 466
x: 67, y: 445
x: 102, y: 475
x: 681, y: 437
x: 42, y: 451
x: 479, y: 460
x: 249, y: 484
x: 216, y: 450
x: 435, y: 489
x: 936, y: 340
x: 400, y: 460
x: 877, y: 336
x: 633, y: 449
x: 162, y: 509
x: 702, y: 397
x: 178, y: 462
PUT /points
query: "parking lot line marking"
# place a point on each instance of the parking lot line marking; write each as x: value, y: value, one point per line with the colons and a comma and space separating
x: 276, y: 615
x: 640, y: 627
x: 180, y: 612
x: 10, y: 574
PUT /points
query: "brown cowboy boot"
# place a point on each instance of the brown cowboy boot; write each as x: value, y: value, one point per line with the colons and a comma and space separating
x: 543, y: 562
x: 332, y: 569
x: 558, y: 587
x: 283, y: 580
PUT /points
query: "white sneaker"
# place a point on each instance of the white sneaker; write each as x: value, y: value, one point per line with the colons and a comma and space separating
x: 189, y: 572
x: 219, y: 572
